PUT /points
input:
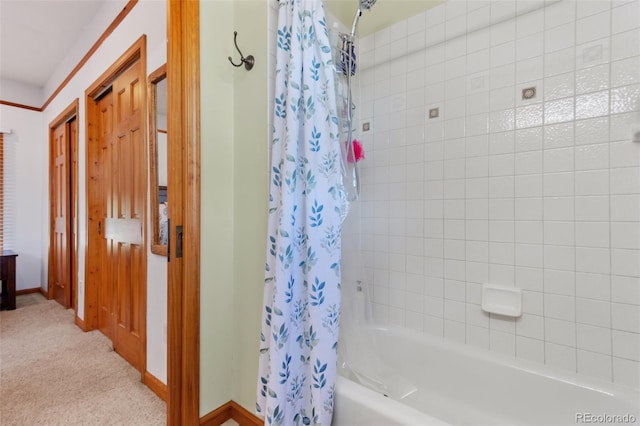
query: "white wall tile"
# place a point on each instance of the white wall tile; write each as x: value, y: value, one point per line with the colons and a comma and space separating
x: 532, y: 301
x: 560, y: 356
x: 558, y: 184
x: 416, y: 23
x: 626, y: 345
x: 559, y: 62
x: 592, y: 208
x: 625, y: 180
x: 503, y: 54
x: 530, y: 139
x: 560, y: 332
x: 530, y: 23
x: 530, y: 279
x: 530, y: 46
x: 561, y: 37
x: 591, y: 7
x: 502, y: 76
x: 593, y: 312
x: 479, y: 18
x: 530, y: 349
x: 558, y: 160
x: 559, y: 282
x: 594, y: 260
x: 433, y: 325
x: 477, y: 272
x: 455, y: 9
x: 559, y: 257
x: 624, y: 154
x: 594, y: 339
x: 625, y: 262
x: 625, y: 17
x: 597, y: 104
x: 594, y: 365
x: 562, y: 110
x: 559, y: 13
x: 559, y: 233
x: 593, y: 27
x: 558, y: 135
x: 592, y: 79
x: 593, y: 286
x: 592, y: 182
x: 435, y: 15
x: 539, y: 193
x: 559, y: 307
x: 626, y: 372
x: 625, y: 99
x: 477, y: 336
x: 502, y: 9
x: 559, y: 208
x: 592, y: 53
x: 529, y: 232
x: 625, y: 289
x: 454, y: 330
x: 592, y: 131
x: 529, y: 255
x: 592, y: 234
x: 559, y: 86
x: 625, y: 317
x: 529, y: 116
x: 624, y: 45
x: 591, y: 157
x: 625, y: 235
x: 625, y: 72
x: 397, y: 31
x: 529, y: 209
x: 502, y: 342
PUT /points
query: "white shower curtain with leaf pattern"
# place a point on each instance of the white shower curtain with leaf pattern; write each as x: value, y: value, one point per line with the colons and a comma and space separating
x: 298, y: 348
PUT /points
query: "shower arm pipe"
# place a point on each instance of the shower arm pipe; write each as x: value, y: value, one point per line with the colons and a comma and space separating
x: 354, y: 27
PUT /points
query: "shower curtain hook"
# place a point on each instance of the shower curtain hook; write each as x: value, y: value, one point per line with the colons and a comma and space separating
x: 248, y: 61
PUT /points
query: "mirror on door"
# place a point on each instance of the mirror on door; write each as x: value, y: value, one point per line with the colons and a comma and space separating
x: 157, y: 82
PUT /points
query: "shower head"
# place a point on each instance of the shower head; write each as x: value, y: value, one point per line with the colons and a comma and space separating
x: 367, y: 4
x: 363, y: 5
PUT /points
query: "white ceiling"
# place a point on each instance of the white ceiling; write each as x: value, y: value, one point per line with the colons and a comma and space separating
x: 35, y: 35
x: 382, y: 14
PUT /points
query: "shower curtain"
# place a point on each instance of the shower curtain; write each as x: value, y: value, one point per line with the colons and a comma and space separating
x: 298, y: 347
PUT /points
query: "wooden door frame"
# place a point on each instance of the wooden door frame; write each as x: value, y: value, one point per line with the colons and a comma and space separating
x: 65, y: 116
x: 137, y: 52
x: 183, y: 131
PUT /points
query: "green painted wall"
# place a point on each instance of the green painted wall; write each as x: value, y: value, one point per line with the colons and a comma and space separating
x: 234, y: 200
x: 217, y: 171
x: 251, y: 195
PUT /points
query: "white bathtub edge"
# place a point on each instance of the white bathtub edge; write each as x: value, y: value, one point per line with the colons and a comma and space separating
x: 381, y: 406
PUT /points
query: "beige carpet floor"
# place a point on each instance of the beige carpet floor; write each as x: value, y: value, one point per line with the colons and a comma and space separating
x: 53, y: 373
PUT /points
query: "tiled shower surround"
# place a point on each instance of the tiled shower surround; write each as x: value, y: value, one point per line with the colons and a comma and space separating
x: 465, y: 182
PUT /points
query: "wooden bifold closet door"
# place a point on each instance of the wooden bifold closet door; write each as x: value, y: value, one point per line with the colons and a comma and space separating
x: 62, y: 208
x: 122, y: 257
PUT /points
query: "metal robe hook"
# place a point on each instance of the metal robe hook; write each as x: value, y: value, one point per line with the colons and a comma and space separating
x: 248, y: 61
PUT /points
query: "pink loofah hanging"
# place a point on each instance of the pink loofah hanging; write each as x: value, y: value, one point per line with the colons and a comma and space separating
x: 358, y: 151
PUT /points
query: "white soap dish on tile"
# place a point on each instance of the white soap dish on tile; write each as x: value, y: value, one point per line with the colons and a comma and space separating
x: 502, y: 300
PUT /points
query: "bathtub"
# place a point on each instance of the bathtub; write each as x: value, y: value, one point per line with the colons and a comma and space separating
x: 461, y: 385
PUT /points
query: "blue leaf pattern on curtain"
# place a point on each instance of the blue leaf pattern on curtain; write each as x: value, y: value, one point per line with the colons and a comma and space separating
x: 298, y: 348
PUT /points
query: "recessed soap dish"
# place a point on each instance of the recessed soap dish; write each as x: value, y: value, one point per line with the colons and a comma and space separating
x: 502, y: 300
